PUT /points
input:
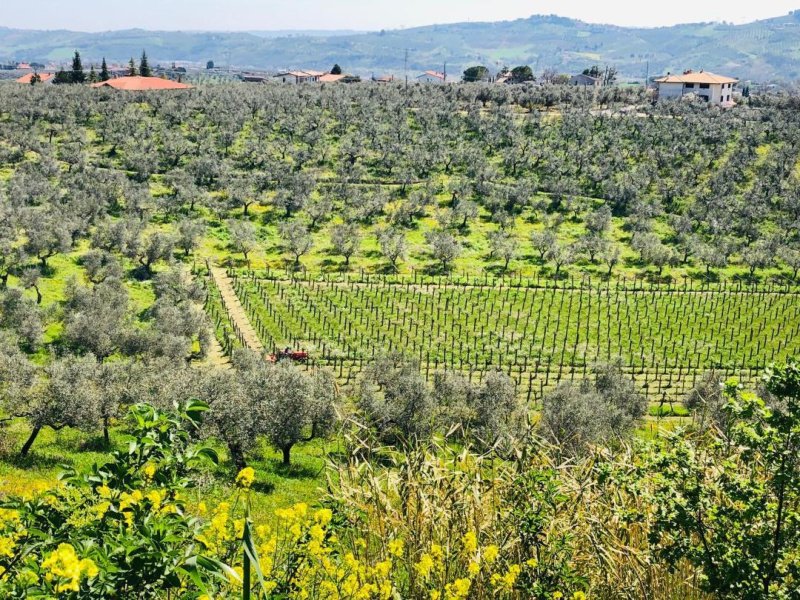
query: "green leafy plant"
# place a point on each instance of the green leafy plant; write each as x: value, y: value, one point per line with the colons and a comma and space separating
x: 729, y: 505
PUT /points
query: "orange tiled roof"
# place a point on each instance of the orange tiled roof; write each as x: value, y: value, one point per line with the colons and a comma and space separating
x: 27, y: 78
x: 139, y: 84
x: 331, y: 78
x: 701, y: 77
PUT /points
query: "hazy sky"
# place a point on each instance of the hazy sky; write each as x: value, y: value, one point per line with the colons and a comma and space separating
x: 100, y: 15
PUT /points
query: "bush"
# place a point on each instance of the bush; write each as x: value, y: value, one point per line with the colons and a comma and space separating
x: 122, y: 531
x: 577, y: 416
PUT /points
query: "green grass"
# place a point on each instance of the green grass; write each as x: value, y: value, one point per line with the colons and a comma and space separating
x: 276, y: 485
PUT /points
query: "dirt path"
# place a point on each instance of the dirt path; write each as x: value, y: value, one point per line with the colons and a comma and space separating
x: 235, y: 310
x: 215, y: 355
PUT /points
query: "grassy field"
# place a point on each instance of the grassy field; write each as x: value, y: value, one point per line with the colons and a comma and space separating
x: 276, y: 485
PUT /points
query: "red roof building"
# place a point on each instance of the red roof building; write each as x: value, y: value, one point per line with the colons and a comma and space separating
x: 43, y: 77
x: 142, y: 84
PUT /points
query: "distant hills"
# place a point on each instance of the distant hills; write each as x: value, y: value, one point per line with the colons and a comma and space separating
x: 762, y: 50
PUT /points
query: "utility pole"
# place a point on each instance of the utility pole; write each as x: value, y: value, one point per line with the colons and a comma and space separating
x: 405, y: 66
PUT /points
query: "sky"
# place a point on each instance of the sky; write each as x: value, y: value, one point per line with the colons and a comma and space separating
x: 244, y: 15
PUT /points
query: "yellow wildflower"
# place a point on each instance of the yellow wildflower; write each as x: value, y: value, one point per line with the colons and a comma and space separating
x: 458, y: 590
x: 508, y: 579
x: 474, y: 568
x: 245, y: 478
x: 323, y: 516
x: 155, y: 498
x: 396, y: 548
x: 383, y: 568
x: 149, y: 471
x: 578, y: 596
x: 7, y: 546
x: 557, y: 595
x: 491, y: 553
x: 63, y: 567
x: 470, y: 542
x: 424, y: 566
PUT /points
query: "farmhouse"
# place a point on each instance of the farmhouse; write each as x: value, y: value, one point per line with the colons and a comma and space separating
x: 141, y: 84
x: 432, y: 77
x: 586, y: 80
x: 716, y: 89
x: 297, y: 77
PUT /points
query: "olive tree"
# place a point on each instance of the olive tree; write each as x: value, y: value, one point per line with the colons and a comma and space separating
x: 574, y: 416
x: 395, y: 402
x: 444, y: 248
x: 296, y: 240
x: 345, y: 240
x: 243, y: 237
x: 393, y: 245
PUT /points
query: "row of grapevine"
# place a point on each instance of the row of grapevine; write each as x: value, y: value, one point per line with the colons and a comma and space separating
x: 665, y: 337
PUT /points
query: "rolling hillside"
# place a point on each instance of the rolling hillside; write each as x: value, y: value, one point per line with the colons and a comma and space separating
x: 767, y: 49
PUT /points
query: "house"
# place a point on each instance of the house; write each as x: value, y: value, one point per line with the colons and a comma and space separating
x: 586, y: 80
x: 383, y: 79
x: 297, y: 77
x: 432, y: 77
x: 141, y: 84
x: 715, y: 89
x: 254, y: 78
x: 43, y: 78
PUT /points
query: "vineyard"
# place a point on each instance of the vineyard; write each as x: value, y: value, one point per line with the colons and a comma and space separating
x: 540, y: 333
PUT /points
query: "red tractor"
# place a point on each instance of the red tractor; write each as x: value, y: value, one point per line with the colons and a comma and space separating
x: 289, y: 354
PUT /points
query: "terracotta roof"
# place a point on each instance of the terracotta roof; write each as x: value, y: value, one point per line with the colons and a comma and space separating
x: 331, y: 78
x: 138, y: 84
x: 23, y: 66
x: 701, y: 77
x: 435, y: 74
x: 27, y: 78
x: 301, y: 73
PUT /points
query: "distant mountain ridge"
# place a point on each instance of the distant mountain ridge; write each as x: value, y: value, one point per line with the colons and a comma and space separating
x: 761, y: 50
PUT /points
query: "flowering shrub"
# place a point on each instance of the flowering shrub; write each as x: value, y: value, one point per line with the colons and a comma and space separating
x: 122, y: 531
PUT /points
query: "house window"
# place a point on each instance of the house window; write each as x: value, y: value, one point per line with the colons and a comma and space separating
x: 704, y: 86
x: 689, y: 86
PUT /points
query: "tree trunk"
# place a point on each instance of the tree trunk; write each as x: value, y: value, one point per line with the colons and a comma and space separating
x: 106, y: 435
x: 237, y: 456
x: 32, y: 438
x: 287, y: 455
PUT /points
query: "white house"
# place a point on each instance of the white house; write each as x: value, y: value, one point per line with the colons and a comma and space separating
x: 298, y: 76
x: 716, y: 89
x: 586, y: 80
x: 432, y: 77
